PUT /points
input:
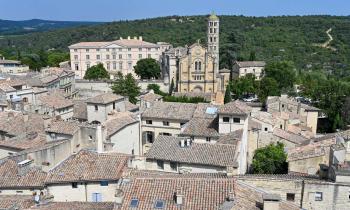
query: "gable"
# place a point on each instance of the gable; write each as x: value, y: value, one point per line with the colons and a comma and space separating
x: 112, y: 45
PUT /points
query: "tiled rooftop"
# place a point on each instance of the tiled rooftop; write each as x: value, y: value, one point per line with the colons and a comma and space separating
x: 168, y: 148
x: 244, y: 64
x: 80, y: 110
x: 119, y: 121
x: 16, y: 123
x: 121, y: 42
x: 76, y: 206
x: 289, y: 136
x: 202, y: 127
x: 231, y: 138
x: 88, y: 166
x: 235, y: 107
x: 63, y: 127
x: 170, y: 110
x: 10, y: 176
x: 24, y: 141
x: 198, y: 193
x: 18, y: 201
x: 150, y: 97
x: 55, y: 99
x: 105, y: 98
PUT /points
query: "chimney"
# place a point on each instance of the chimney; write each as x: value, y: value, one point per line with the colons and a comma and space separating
x: 121, y: 38
x: 99, y: 138
x: 24, y: 166
x: 182, y: 143
x: 178, y: 197
x: 135, y: 37
x: 140, y: 38
x: 271, y: 201
x: 25, y: 117
x: 119, y: 196
x: 231, y: 196
x: 188, y: 142
x: 128, y: 37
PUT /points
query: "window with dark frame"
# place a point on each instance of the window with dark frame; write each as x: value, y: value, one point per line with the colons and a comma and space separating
x: 96, y: 108
x: 236, y: 120
x: 318, y: 196
x: 149, y: 122
x: 290, y: 196
x: 173, y: 166
x: 165, y: 123
x: 74, y: 184
x: 160, y: 164
x: 226, y: 119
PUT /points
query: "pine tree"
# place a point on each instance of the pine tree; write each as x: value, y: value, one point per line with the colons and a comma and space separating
x: 228, y: 97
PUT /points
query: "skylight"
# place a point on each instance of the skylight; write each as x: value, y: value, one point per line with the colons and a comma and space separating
x: 211, y: 110
x: 159, y: 204
x: 134, y: 202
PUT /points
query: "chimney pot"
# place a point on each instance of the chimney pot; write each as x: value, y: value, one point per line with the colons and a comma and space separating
x: 128, y: 37
x: 140, y: 38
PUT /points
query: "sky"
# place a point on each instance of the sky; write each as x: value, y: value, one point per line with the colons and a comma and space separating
x: 113, y: 10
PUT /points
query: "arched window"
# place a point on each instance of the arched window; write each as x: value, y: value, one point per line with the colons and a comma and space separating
x: 198, y: 66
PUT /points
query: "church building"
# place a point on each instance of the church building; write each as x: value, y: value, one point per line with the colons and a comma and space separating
x: 196, y: 68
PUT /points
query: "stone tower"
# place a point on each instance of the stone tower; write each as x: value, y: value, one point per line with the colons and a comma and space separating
x: 213, y: 39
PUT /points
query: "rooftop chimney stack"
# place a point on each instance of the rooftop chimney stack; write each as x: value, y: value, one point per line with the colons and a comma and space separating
x: 140, y: 38
x: 128, y: 37
x: 121, y: 38
x: 178, y: 197
x: 135, y: 37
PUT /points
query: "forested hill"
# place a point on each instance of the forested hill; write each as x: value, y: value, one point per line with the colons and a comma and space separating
x: 301, y: 39
x: 11, y: 27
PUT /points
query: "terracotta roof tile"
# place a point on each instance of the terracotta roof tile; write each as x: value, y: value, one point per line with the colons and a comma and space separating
x: 16, y: 201
x: 76, y: 206
x: 63, y: 127
x: 17, y: 123
x: 198, y: 193
x: 118, y: 122
x: 289, y: 136
x: 88, y: 166
x: 170, y: 110
x: 10, y: 177
x: 25, y: 141
x: 104, y: 98
x: 235, y: 107
x: 168, y: 148
x: 201, y: 127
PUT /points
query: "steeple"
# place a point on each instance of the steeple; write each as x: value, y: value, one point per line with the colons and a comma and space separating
x: 213, y: 39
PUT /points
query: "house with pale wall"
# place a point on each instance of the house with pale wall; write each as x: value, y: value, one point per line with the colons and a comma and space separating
x: 12, y: 66
x: 86, y: 176
x: 242, y: 68
x: 103, y: 105
x: 308, y: 115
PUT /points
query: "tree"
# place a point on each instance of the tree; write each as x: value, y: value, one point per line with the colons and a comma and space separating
x: 270, y: 160
x: 228, y: 97
x: 243, y: 86
x: 147, y: 68
x: 126, y: 86
x: 55, y: 58
x: 156, y: 89
x: 96, y: 72
x: 283, y: 72
x: 267, y: 87
x: 252, y: 56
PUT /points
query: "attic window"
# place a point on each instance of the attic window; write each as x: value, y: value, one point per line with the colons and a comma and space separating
x: 134, y: 203
x: 236, y: 120
x: 159, y: 204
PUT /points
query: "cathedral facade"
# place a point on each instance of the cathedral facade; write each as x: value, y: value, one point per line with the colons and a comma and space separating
x: 196, y: 68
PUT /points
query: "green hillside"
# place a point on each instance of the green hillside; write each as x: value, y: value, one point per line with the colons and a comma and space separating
x: 293, y: 38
